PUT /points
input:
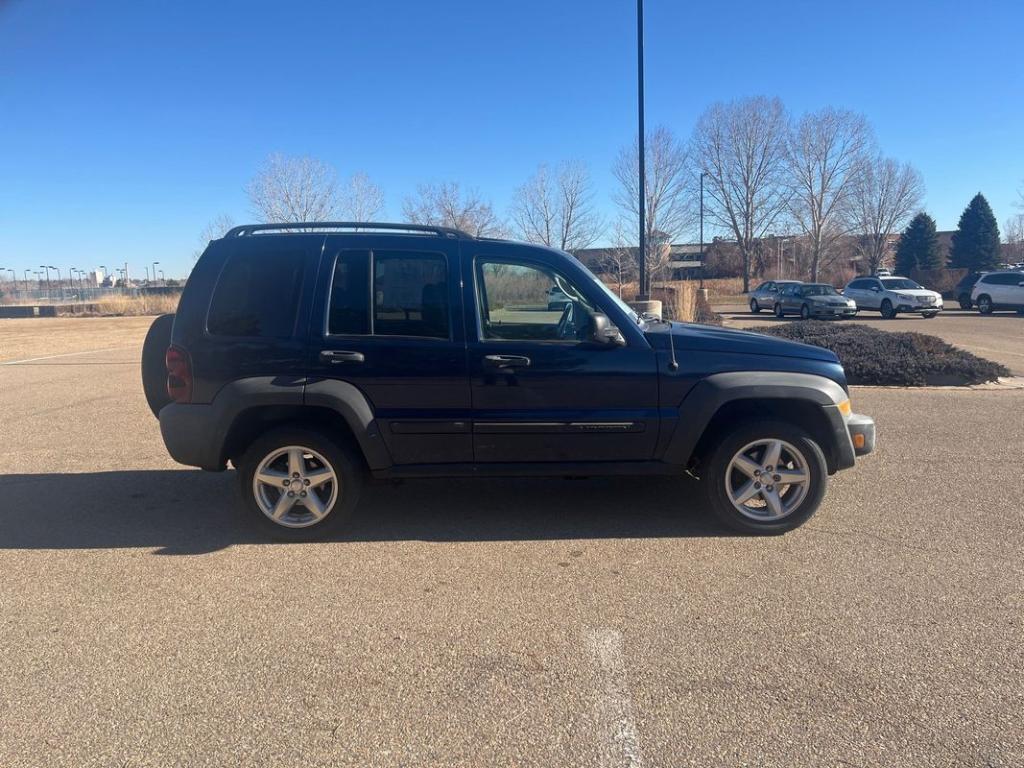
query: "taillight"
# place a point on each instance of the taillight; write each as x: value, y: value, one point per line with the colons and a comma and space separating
x: 179, y: 375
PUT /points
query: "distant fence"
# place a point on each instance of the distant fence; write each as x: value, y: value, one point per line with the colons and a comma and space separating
x: 75, y: 294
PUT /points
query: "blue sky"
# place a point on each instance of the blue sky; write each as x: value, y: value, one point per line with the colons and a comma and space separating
x: 126, y: 127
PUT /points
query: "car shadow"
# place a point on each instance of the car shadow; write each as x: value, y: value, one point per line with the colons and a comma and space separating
x: 184, y: 512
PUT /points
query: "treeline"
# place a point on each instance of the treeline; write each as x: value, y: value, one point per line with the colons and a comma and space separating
x: 820, y: 175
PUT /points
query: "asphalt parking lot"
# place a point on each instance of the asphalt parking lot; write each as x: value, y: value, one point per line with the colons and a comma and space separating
x: 998, y: 337
x: 528, y: 623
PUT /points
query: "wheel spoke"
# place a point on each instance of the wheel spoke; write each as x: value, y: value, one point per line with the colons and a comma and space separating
x: 791, y: 476
x: 746, y: 493
x: 296, y: 462
x: 772, y: 453
x: 314, y: 505
x: 272, y: 477
x: 746, y: 465
x: 318, y: 477
x: 773, y: 501
x: 284, y: 504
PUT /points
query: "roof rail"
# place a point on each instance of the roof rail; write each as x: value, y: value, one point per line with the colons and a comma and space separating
x: 362, y: 226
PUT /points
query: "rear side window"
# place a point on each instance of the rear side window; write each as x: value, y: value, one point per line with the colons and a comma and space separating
x: 409, y: 295
x: 257, y: 295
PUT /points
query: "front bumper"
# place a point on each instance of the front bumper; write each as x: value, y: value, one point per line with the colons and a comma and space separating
x: 834, y: 311
x: 924, y: 309
x: 862, y: 433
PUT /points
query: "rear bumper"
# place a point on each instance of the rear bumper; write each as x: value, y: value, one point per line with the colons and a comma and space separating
x: 193, y: 435
x: 862, y: 433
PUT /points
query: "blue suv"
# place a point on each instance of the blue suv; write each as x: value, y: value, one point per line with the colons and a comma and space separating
x: 314, y: 356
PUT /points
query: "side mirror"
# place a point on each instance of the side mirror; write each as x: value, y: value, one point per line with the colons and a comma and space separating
x: 875, y: 288
x: 604, y: 333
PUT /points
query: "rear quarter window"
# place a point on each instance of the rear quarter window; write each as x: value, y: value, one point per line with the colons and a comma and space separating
x: 257, y: 294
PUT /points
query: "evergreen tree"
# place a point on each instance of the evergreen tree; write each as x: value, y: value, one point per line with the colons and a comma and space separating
x: 976, y: 240
x: 919, y: 246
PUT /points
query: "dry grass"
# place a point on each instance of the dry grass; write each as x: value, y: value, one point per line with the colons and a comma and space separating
x: 133, y: 306
x: 724, y: 288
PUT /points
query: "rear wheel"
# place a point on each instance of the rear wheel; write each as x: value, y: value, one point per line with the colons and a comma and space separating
x: 805, y: 312
x: 154, y: 370
x: 965, y: 302
x: 888, y: 312
x: 985, y: 304
x: 766, y: 478
x: 754, y: 307
x: 778, y: 311
x: 299, y: 484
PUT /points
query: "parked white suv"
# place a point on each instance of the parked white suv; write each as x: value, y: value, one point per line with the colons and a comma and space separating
x: 893, y: 295
x: 999, y: 290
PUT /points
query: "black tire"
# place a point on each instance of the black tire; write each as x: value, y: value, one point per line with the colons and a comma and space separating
x: 154, y: 370
x: 714, y: 477
x: 778, y: 311
x: 985, y: 304
x: 339, y: 457
x: 754, y: 307
x: 805, y: 312
x: 888, y: 313
x: 965, y: 302
x: 929, y: 315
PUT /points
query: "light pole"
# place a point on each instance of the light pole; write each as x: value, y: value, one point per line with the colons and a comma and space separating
x: 782, y: 244
x: 644, y: 290
x: 26, y: 279
x: 147, y: 274
x: 154, y: 270
x: 43, y: 266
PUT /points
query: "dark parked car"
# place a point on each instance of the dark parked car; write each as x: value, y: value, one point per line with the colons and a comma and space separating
x: 813, y: 300
x: 766, y: 294
x: 962, y: 292
x: 314, y: 356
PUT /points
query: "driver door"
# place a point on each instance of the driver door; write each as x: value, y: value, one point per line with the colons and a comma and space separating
x: 543, y: 391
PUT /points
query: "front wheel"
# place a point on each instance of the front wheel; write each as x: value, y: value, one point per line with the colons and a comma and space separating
x: 298, y: 484
x: 929, y: 315
x: 765, y: 477
x: 888, y: 313
x: 805, y: 312
x: 985, y: 305
x: 754, y: 306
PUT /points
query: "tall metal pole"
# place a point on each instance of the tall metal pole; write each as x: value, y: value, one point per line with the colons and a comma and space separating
x: 644, y: 288
x: 702, y: 174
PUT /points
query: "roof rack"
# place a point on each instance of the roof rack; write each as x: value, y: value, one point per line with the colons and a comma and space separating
x: 361, y: 226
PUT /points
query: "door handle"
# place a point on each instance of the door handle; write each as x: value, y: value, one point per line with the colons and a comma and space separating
x: 341, y: 356
x: 506, y: 361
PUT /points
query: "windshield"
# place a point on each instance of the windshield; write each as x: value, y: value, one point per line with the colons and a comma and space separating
x: 897, y: 283
x: 819, y: 290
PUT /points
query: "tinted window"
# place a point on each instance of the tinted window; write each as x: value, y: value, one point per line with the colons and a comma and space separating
x: 899, y: 283
x: 530, y: 303
x: 350, y: 294
x: 858, y: 284
x: 765, y: 286
x: 257, y: 295
x: 410, y: 294
x: 1006, y: 278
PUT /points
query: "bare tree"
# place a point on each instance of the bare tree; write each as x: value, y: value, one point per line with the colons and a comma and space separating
x: 361, y: 199
x: 667, y: 206
x: 444, y: 205
x: 557, y: 209
x: 620, y: 261
x: 825, y: 152
x: 293, y: 189
x: 214, y: 230
x: 741, y: 148
x: 1013, y: 234
x: 886, y: 195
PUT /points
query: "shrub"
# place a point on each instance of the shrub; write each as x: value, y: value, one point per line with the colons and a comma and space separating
x: 871, y: 356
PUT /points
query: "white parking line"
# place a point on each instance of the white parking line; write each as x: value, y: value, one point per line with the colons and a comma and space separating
x: 617, y: 746
x: 54, y: 357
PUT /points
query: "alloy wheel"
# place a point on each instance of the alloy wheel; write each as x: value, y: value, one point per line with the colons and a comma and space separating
x: 767, y: 479
x: 295, y: 486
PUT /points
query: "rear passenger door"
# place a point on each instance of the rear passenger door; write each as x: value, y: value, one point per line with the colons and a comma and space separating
x: 389, y: 321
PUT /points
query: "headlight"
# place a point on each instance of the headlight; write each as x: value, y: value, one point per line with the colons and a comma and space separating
x: 851, y: 303
x: 904, y: 297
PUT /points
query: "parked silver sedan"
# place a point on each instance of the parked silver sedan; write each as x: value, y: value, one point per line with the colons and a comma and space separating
x: 814, y: 300
x: 766, y: 294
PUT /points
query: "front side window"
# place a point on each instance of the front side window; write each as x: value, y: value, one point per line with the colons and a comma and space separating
x: 899, y: 284
x: 257, y: 295
x: 526, y: 302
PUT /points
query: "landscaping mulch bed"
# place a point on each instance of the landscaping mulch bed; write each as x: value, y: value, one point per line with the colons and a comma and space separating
x: 875, y: 357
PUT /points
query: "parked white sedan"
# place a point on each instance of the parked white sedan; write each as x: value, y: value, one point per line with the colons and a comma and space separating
x: 893, y: 295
